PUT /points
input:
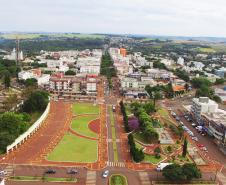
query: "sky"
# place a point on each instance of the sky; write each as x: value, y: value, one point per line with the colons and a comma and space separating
x: 150, y: 17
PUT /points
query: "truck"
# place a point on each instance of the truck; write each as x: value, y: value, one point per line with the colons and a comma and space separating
x: 162, y: 165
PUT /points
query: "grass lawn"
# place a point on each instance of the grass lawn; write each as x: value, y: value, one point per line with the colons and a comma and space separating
x: 152, y: 159
x: 46, y: 179
x: 117, y: 179
x: 74, y: 149
x: 85, y: 108
x: 140, y: 137
x: 113, y: 131
x: 81, y: 125
x: 207, y: 50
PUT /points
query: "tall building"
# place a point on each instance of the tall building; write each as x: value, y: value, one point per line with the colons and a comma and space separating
x: 203, y: 105
x: 123, y: 52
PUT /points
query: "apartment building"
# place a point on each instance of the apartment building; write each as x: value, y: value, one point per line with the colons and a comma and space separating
x: 62, y: 85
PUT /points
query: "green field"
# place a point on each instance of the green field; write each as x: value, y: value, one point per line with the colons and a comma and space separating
x: 46, y: 179
x: 85, y: 108
x: 113, y: 131
x: 117, y: 179
x: 74, y: 149
x: 152, y: 159
x: 207, y: 50
x: 81, y: 125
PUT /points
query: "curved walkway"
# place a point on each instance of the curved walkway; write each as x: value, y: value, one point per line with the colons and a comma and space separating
x: 80, y: 135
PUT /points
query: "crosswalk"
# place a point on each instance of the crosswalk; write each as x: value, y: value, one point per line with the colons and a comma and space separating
x: 91, y: 178
x: 9, y: 171
x: 222, y: 178
x: 116, y: 164
x: 144, y: 178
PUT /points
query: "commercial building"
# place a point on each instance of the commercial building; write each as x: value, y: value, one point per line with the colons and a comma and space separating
x: 203, y: 105
x: 70, y: 86
x: 212, y: 119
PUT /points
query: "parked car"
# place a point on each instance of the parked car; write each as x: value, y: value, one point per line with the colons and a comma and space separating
x: 195, y: 138
x: 3, y: 173
x: 50, y: 171
x: 177, y: 118
x: 200, y: 145
x: 193, y: 125
x: 72, y: 171
x: 105, y: 173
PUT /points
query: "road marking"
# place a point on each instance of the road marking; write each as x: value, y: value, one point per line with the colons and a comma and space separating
x: 116, y: 164
x: 9, y: 170
x: 144, y: 178
x: 221, y: 177
x: 91, y: 178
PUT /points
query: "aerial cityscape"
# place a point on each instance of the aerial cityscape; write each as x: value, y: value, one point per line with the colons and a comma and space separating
x: 87, y: 98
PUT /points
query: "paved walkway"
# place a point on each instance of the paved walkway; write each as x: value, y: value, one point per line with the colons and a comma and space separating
x: 91, y: 178
x: 144, y: 178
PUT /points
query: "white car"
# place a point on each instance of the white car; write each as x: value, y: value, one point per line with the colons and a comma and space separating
x: 105, y: 173
x: 195, y: 138
x: 2, y: 173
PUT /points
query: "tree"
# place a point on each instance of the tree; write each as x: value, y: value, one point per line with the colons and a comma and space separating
x: 200, y: 82
x: 149, y: 107
x: 7, y: 79
x: 219, y: 81
x: 185, y: 145
x: 191, y: 171
x: 173, y: 172
x: 31, y: 82
x: 70, y: 72
x: 36, y: 102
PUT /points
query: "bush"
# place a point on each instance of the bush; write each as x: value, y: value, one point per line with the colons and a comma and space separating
x: 37, y: 101
x: 187, y: 172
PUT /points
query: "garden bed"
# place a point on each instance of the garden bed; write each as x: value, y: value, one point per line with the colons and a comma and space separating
x: 117, y: 179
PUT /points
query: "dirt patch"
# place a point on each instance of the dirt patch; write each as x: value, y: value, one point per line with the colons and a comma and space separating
x: 95, y: 126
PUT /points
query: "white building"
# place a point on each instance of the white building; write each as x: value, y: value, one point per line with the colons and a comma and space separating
x: 203, y: 105
x: 180, y: 61
x: 90, y: 69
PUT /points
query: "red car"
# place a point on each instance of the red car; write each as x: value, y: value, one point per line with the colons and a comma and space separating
x: 200, y: 145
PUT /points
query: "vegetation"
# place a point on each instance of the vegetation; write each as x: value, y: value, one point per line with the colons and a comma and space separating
x: 125, y: 117
x: 81, y: 125
x: 187, y: 172
x: 157, y: 92
x: 117, y: 179
x: 43, y: 178
x: 136, y: 153
x: 146, y: 122
x: 36, y: 102
x: 182, y: 74
x: 185, y: 147
x: 70, y: 72
x: 200, y: 82
x: 85, y: 108
x: 74, y: 149
x: 107, y: 68
x: 31, y: 46
x: 11, y: 126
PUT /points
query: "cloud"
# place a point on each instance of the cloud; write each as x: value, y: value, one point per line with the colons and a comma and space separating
x: 159, y: 17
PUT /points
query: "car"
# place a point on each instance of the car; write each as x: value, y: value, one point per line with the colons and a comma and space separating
x: 3, y: 173
x: 72, y: 171
x: 204, y: 149
x: 200, y: 145
x: 177, y: 118
x: 193, y: 125
x: 181, y: 123
x: 195, y: 138
x: 50, y: 171
x: 105, y: 173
